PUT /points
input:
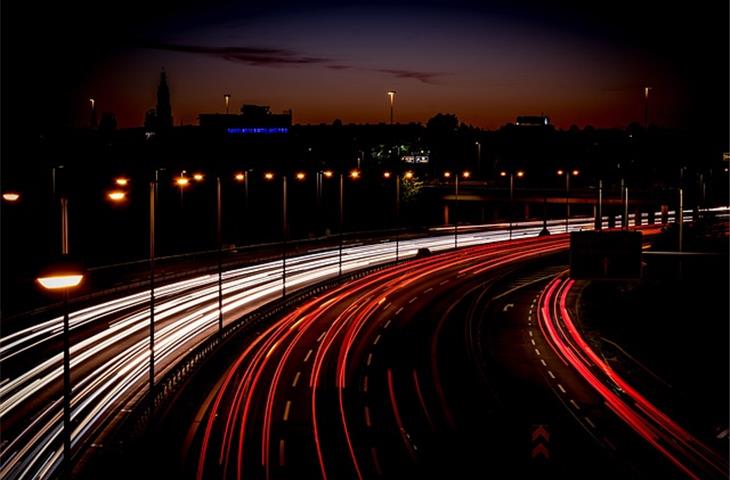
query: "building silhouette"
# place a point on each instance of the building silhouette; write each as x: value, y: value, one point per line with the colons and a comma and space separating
x: 163, y: 113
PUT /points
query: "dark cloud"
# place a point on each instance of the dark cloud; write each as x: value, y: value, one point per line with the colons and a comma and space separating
x: 257, y: 56
x: 425, y: 77
x: 276, y: 57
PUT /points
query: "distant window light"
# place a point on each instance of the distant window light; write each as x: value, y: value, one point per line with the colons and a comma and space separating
x: 266, y: 131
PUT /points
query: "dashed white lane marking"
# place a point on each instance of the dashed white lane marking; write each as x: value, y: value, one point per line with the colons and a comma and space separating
x: 370, y: 359
x: 296, y: 379
x: 388, y: 306
x: 309, y: 354
x: 319, y: 339
x: 365, y: 384
x: 543, y: 362
x: 444, y: 282
x: 552, y: 375
x: 397, y: 312
x: 561, y: 388
x: 590, y: 422
x: 429, y: 289
x: 412, y: 300
x: 532, y: 340
x: 286, y: 410
x: 537, y: 351
x: 575, y: 405
x: 387, y: 324
x: 530, y: 332
x: 367, y: 417
x: 377, y: 339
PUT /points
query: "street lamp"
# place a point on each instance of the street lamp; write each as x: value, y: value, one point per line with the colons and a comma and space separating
x: 479, y: 158
x: 116, y: 195
x: 64, y: 276
x: 567, y: 174
x: 11, y: 196
x: 387, y: 175
x: 121, y: 181
x: 227, y: 98
x: 465, y: 174
x: 519, y: 174
x: 391, y: 101
x: 198, y: 177
x: 408, y: 175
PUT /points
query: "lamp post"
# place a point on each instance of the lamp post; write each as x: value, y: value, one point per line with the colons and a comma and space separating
x: 64, y: 277
x: 227, y: 98
x: 387, y: 175
x: 465, y: 174
x: 219, y: 240
x: 391, y: 101
x: 567, y: 174
x: 182, y: 181
x: 511, y: 175
x: 479, y: 159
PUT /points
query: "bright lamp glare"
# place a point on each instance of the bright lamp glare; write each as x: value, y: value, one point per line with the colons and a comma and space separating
x: 116, y: 195
x: 121, y: 181
x: 11, y: 196
x: 55, y: 282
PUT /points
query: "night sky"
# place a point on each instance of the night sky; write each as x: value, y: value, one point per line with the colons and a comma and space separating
x: 484, y: 61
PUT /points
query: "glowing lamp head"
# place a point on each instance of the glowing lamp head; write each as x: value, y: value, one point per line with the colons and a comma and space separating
x: 355, y: 174
x: 269, y: 176
x: 240, y: 177
x: 386, y: 174
x: 60, y: 280
x: 408, y: 174
x: 560, y: 172
x: 328, y: 173
x: 300, y: 176
x: 182, y: 181
x: 198, y: 177
x: 502, y: 174
x: 11, y: 196
x: 447, y: 174
x: 576, y: 173
x: 121, y: 181
x: 466, y: 174
x: 520, y: 173
x: 116, y: 195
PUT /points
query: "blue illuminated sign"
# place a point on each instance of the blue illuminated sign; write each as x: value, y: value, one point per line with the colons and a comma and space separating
x: 243, y: 131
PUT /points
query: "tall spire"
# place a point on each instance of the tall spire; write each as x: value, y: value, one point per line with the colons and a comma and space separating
x: 164, y: 110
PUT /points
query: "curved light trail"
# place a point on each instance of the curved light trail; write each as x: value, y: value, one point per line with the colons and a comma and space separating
x: 110, y: 347
x: 681, y: 448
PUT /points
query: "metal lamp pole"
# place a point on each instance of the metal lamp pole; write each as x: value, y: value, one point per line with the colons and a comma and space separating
x: 511, y: 201
x: 219, y: 239
x: 456, y: 206
x: 342, y: 187
x: 285, y: 232
x: 397, y: 217
x: 152, y: 212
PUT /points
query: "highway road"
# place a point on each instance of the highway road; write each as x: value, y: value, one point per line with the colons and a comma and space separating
x: 110, y: 348
x: 352, y: 384
x: 438, y: 367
